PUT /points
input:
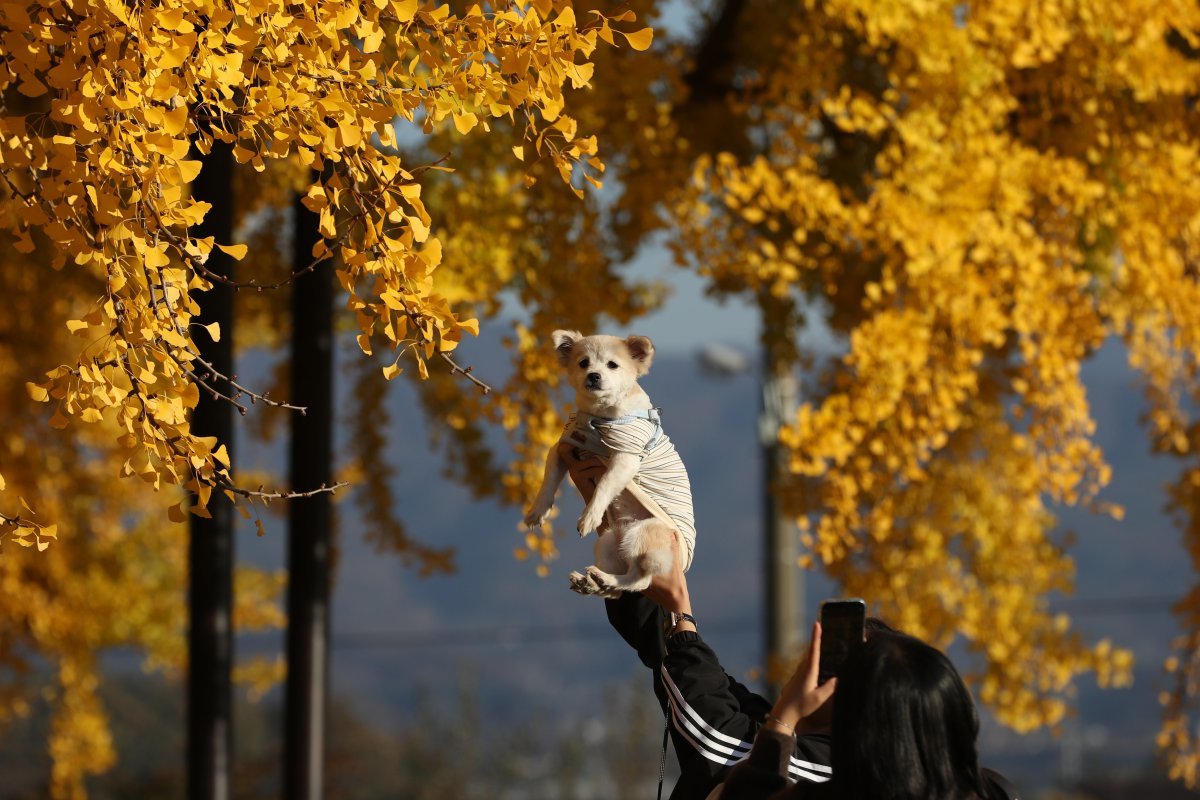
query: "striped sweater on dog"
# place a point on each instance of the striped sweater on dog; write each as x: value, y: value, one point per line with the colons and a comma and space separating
x: 661, y: 480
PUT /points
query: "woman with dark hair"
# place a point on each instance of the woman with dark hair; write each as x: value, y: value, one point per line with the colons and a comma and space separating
x: 713, y: 720
x: 904, y: 728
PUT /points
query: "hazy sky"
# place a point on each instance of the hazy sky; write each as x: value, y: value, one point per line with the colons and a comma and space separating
x: 689, y: 319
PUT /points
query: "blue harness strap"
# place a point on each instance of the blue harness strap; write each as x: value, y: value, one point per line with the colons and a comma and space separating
x: 586, y: 431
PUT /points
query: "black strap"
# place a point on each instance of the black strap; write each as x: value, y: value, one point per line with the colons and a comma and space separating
x: 662, y: 653
x: 662, y: 763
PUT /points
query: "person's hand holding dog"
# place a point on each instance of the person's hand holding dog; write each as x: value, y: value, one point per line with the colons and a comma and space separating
x: 585, y: 468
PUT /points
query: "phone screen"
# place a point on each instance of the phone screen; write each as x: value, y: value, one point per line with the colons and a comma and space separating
x: 843, y: 625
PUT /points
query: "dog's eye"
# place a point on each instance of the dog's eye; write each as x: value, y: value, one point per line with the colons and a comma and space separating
x: 584, y: 363
x: 612, y: 365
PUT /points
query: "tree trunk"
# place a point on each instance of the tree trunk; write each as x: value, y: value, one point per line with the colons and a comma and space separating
x: 783, y: 583
x: 309, y: 519
x: 210, y: 553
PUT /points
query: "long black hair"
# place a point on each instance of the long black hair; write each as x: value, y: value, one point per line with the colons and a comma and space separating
x: 904, y: 725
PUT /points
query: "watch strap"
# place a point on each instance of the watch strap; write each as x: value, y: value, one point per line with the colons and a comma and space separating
x: 672, y: 620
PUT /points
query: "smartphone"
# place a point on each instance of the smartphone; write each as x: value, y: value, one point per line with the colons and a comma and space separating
x: 843, y: 627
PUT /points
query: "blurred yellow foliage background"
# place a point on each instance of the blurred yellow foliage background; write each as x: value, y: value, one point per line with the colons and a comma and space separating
x: 971, y: 198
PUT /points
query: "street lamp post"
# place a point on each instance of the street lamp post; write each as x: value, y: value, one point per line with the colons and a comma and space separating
x: 784, y: 600
x: 783, y: 584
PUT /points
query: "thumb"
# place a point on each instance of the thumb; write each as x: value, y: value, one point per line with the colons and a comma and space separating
x: 824, y: 691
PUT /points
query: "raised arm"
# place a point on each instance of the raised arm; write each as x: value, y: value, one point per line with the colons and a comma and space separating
x: 771, y: 763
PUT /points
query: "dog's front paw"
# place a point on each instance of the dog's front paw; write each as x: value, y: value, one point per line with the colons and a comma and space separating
x: 535, y: 516
x: 590, y: 520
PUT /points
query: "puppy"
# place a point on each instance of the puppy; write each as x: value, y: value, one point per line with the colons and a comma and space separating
x: 644, y: 497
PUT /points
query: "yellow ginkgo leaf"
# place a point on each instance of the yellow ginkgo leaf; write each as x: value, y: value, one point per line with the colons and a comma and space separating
x: 236, y: 251
x: 640, y: 40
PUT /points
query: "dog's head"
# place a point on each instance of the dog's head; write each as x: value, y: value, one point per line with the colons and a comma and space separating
x: 603, y: 369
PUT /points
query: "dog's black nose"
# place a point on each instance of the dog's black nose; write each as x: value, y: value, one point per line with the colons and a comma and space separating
x: 593, y: 378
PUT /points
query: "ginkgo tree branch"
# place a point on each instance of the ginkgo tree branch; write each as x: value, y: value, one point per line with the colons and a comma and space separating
x: 25, y: 198
x: 465, y: 372
x: 98, y: 190
x: 212, y: 372
x: 431, y: 165
x: 198, y: 263
x: 124, y: 147
x: 267, y: 496
x: 19, y: 529
x: 241, y: 390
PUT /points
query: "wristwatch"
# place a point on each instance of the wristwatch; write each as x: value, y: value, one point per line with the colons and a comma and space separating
x: 672, y: 619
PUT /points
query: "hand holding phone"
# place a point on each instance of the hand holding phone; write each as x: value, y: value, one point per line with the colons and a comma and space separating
x: 843, y: 627
x: 804, y: 697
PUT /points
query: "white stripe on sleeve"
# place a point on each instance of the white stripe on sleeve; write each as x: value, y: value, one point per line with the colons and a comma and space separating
x: 722, y: 748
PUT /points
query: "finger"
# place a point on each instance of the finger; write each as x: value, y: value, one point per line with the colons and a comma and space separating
x: 814, y: 655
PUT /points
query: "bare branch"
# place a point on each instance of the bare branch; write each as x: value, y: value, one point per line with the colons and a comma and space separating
x: 466, y: 372
x: 261, y: 494
x: 254, y: 396
x: 201, y: 269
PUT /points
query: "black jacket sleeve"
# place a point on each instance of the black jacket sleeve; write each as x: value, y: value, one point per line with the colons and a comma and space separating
x: 712, y: 717
x: 717, y: 718
x: 639, y: 621
x: 762, y: 773
x: 712, y: 709
x: 766, y: 773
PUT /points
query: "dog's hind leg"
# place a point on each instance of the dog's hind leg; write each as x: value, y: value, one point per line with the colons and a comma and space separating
x: 582, y: 583
x: 645, y: 550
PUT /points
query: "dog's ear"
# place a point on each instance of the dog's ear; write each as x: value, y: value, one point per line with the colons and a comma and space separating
x: 641, y: 350
x: 564, y: 341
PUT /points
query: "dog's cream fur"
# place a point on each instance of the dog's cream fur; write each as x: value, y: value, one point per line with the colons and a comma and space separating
x: 633, y: 545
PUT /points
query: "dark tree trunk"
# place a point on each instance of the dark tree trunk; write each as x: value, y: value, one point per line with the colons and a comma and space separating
x: 210, y: 553
x: 309, y: 519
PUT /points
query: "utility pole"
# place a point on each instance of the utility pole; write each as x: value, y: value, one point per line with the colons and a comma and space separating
x: 210, y: 544
x: 784, y: 581
x: 309, y: 518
